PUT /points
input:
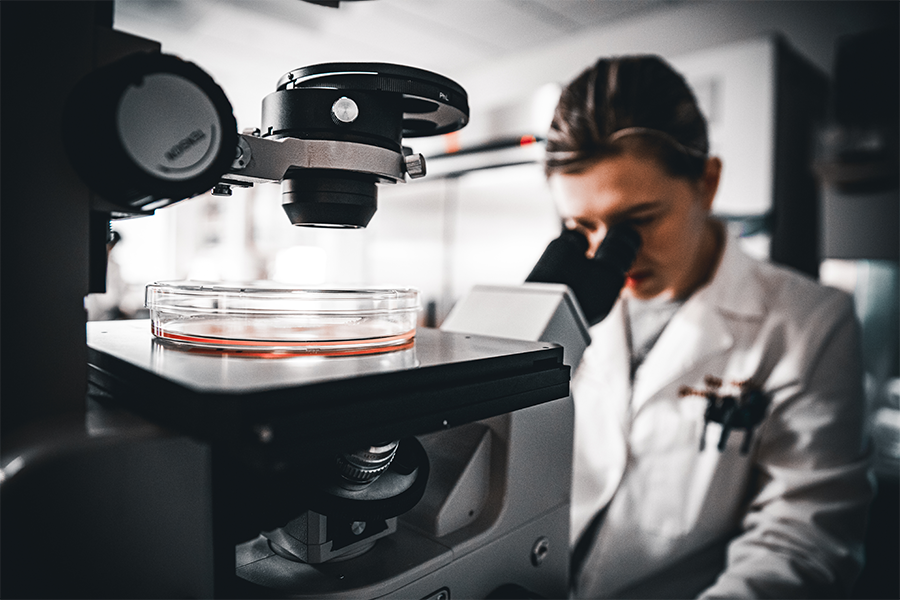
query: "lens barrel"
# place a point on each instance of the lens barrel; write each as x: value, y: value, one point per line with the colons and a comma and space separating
x: 329, y: 198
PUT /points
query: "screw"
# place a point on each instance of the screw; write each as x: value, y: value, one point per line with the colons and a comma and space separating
x: 242, y: 154
x: 239, y: 157
x: 539, y: 550
x: 358, y: 527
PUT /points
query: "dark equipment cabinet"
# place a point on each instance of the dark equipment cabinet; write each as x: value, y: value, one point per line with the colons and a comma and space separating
x: 801, y: 96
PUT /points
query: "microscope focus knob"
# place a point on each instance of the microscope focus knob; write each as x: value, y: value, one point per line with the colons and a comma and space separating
x: 360, y: 468
x: 149, y: 130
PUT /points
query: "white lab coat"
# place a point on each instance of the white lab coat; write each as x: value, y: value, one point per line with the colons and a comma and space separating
x: 785, y: 520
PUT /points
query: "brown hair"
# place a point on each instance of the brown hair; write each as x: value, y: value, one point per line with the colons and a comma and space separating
x: 634, y: 103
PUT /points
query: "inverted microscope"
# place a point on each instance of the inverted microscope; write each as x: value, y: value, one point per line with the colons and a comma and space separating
x: 431, y: 464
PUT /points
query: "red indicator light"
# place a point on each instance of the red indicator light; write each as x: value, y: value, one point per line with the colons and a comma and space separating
x: 526, y: 140
x: 451, y: 142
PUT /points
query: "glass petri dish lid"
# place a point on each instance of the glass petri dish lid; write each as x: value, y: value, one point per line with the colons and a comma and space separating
x: 270, y: 317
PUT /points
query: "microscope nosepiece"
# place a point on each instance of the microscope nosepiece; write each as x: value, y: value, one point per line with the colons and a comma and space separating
x: 357, y: 113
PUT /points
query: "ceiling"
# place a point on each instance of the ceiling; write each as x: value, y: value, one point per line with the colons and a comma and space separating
x: 248, y: 45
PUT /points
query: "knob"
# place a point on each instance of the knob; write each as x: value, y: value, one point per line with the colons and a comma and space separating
x: 415, y: 165
x: 360, y: 468
x: 344, y: 110
x: 149, y: 130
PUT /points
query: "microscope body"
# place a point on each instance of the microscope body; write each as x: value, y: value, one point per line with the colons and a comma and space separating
x: 167, y: 480
x: 492, y: 415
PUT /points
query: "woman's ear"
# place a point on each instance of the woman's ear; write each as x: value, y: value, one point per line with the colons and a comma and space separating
x: 709, y: 181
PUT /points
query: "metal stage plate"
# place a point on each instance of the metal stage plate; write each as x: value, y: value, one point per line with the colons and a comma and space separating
x: 285, y: 405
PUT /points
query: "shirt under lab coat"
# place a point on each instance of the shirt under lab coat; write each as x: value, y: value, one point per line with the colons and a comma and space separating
x: 787, y: 518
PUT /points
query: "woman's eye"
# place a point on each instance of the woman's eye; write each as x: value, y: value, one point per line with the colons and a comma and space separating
x: 639, y: 221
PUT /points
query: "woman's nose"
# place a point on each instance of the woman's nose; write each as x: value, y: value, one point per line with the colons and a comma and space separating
x: 594, y: 238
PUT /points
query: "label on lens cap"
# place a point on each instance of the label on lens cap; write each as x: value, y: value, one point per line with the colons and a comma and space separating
x: 169, y: 127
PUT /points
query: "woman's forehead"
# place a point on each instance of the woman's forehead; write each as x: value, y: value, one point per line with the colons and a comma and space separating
x: 613, y: 185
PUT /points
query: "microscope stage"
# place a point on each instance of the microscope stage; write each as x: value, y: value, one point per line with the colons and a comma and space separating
x: 288, y: 403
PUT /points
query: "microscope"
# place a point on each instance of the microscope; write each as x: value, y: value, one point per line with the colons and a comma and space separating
x: 440, y: 469
x: 436, y: 467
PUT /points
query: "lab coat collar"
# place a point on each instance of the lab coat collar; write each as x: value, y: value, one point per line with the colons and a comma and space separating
x: 729, y: 291
x: 700, y: 329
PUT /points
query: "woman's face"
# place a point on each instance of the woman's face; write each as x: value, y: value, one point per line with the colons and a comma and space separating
x: 671, y: 213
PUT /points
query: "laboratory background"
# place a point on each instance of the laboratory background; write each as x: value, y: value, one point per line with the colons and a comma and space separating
x: 483, y: 215
x: 789, y: 89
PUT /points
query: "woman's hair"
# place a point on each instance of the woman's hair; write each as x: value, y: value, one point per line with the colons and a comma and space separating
x: 635, y: 103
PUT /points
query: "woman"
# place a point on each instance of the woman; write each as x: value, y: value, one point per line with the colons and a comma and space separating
x: 718, y: 437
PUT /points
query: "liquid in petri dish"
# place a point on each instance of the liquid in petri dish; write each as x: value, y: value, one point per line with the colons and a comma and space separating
x: 263, y: 317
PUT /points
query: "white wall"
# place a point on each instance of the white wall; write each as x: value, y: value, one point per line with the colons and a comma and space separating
x: 811, y: 27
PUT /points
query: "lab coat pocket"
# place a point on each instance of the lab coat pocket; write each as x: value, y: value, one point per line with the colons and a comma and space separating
x: 660, y: 483
x: 720, y: 480
x: 662, y: 494
x: 680, y: 491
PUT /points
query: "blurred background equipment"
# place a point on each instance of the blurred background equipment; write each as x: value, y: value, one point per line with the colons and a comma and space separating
x: 858, y: 167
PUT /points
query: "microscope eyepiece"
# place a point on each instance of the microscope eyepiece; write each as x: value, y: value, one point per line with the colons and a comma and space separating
x: 596, y: 282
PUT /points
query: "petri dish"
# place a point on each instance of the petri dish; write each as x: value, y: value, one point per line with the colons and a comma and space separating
x: 267, y: 317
